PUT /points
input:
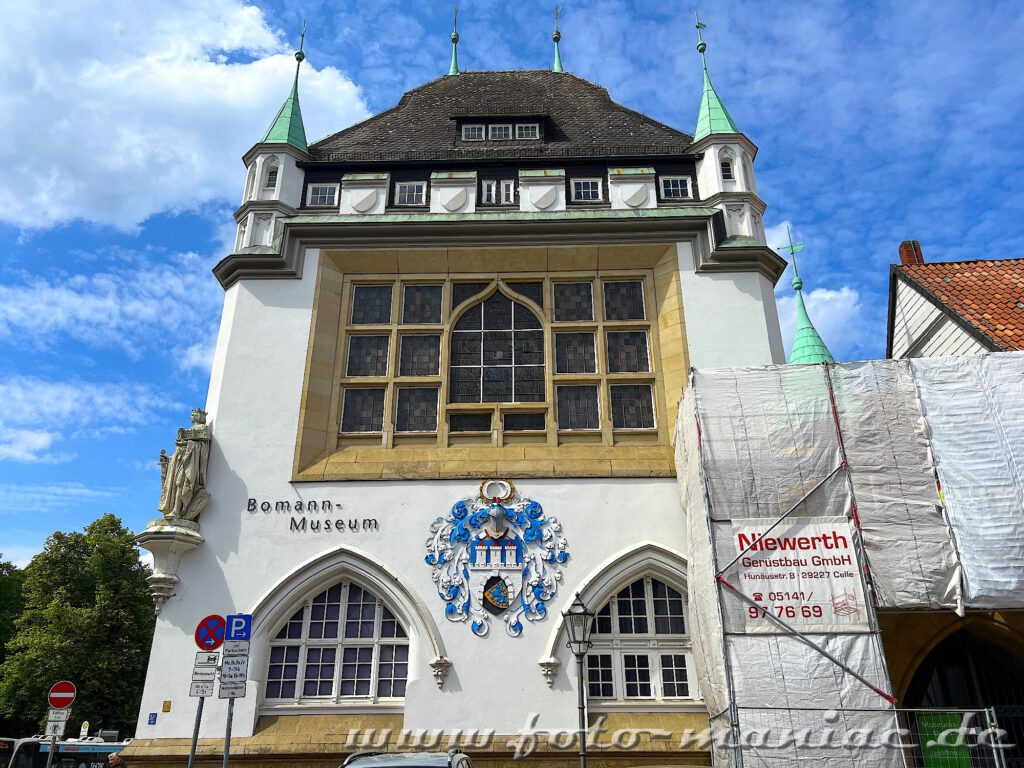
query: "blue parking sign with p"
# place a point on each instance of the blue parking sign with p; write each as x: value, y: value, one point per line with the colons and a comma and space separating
x: 239, y: 627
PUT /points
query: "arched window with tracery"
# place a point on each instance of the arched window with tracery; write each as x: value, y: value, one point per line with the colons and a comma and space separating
x: 497, y: 354
x: 342, y: 645
x: 641, y: 649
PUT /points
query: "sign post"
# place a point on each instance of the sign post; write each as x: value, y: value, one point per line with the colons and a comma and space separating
x: 60, y: 698
x: 234, y: 670
x: 209, y: 637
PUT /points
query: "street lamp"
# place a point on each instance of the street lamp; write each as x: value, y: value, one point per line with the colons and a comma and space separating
x: 579, y: 622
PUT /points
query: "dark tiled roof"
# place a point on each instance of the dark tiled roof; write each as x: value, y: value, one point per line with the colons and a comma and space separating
x: 987, y: 294
x: 581, y: 121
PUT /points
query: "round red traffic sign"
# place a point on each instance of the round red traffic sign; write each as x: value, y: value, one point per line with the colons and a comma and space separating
x: 210, y: 632
x: 62, y: 694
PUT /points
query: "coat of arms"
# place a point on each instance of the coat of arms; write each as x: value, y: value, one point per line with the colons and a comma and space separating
x: 496, y: 555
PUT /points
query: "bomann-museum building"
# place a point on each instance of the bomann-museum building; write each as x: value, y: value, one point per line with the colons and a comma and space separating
x: 453, y: 342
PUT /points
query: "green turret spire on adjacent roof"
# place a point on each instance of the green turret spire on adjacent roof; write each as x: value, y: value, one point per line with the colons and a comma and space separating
x: 712, y: 117
x: 287, y: 127
x: 557, y: 66
x: 454, y: 68
x: 808, y: 346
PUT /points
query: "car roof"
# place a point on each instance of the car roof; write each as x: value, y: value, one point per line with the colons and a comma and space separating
x: 403, y: 760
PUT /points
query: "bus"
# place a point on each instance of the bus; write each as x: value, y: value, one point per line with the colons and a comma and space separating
x: 33, y: 753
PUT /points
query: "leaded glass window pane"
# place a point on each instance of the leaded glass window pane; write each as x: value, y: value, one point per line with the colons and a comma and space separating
x: 603, y: 620
x: 574, y: 301
x: 360, y: 612
x: 367, y: 356
x: 497, y: 354
x: 283, y: 671
x: 523, y: 422
x: 674, y: 681
x: 356, y: 671
x: 463, y: 291
x: 532, y: 289
x: 574, y: 353
x: 292, y: 630
x: 632, y: 608
x: 675, y: 187
x: 371, y: 304
x: 632, y: 406
x: 324, y: 612
x: 420, y: 355
x: 389, y: 625
x: 392, y: 670
x: 421, y: 304
x: 599, y: 676
x: 668, y: 609
x: 469, y: 422
x: 577, y: 407
x: 627, y: 352
x: 586, y: 190
x: 318, y: 678
x: 624, y: 300
x: 363, y: 410
x: 416, y: 410
x: 636, y: 669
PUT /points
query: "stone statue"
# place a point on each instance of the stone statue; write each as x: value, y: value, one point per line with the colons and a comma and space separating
x: 183, y: 476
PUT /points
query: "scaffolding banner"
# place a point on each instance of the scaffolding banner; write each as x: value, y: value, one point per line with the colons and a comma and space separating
x: 802, y: 571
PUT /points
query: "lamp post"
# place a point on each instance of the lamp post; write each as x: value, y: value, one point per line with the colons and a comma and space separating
x: 579, y: 622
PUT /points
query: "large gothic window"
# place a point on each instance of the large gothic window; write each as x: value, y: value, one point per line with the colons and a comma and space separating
x: 641, y: 646
x: 497, y: 354
x: 344, y: 644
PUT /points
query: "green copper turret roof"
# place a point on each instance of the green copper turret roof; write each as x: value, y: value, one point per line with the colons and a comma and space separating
x: 712, y: 117
x: 808, y: 346
x: 556, y: 37
x: 287, y: 127
x: 453, y: 69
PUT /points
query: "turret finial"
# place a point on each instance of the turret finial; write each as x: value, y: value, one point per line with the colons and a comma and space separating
x: 794, y: 249
x: 712, y: 117
x: 300, y: 55
x: 454, y: 68
x: 808, y: 346
x: 701, y: 45
x: 557, y: 66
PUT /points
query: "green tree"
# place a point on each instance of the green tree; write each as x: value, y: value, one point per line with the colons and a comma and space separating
x: 11, y: 605
x: 87, y: 618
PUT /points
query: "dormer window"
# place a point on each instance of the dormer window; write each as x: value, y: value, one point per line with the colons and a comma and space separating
x: 527, y: 131
x: 488, y: 192
x: 727, y: 174
x: 675, y: 187
x: 495, y: 192
x: 410, y: 193
x: 500, y: 132
x: 473, y: 132
x: 508, y: 191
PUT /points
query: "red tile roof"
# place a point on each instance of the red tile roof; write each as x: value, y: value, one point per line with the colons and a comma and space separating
x: 987, y: 294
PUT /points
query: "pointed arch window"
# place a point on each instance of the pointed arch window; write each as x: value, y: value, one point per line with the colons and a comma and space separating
x: 641, y: 649
x: 497, y: 354
x: 343, y: 645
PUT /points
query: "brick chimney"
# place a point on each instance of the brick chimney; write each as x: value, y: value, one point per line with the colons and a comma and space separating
x: 910, y: 252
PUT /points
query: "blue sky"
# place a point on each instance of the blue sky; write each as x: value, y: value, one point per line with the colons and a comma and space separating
x: 124, y: 127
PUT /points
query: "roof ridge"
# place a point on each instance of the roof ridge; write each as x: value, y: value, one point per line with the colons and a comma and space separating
x: 963, y: 261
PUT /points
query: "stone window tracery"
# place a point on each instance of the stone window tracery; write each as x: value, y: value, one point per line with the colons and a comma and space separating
x: 344, y: 644
x: 641, y: 649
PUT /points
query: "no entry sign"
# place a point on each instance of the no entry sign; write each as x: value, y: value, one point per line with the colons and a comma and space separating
x: 62, y: 694
x: 210, y: 632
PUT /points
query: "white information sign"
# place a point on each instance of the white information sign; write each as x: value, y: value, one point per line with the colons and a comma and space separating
x: 804, y: 571
x: 207, y: 659
x: 58, y: 715
x: 204, y: 674
x: 232, y: 691
x: 55, y: 727
x: 234, y: 670
x: 201, y: 690
x: 236, y: 647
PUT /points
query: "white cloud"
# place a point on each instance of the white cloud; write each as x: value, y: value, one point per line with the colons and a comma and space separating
x: 837, y: 315
x: 140, y: 307
x: 112, y: 117
x: 198, y: 356
x: 38, y: 413
x: 21, y: 499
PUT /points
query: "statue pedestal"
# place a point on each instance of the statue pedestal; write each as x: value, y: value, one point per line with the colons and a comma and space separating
x: 168, y: 539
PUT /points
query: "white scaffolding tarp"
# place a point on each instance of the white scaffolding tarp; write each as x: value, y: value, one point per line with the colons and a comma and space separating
x: 974, y: 408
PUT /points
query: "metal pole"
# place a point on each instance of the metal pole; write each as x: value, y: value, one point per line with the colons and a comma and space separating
x: 227, y: 731
x: 53, y: 748
x: 583, y: 711
x: 195, y: 733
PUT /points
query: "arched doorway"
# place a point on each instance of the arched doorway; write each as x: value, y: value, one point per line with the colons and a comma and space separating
x: 967, y: 671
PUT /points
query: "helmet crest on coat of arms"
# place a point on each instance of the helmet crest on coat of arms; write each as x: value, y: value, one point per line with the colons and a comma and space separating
x: 496, y: 555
